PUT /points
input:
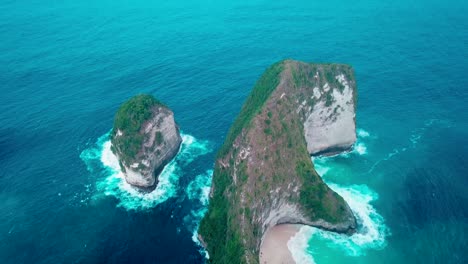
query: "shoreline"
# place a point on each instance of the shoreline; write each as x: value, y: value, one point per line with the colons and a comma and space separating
x: 274, y: 248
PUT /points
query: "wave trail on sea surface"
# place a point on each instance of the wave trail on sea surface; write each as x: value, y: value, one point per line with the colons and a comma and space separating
x: 413, y: 140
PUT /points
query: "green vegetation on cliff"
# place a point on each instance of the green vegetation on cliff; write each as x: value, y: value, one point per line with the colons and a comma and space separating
x: 128, y: 120
x: 268, y: 130
x: 304, y: 76
x: 253, y: 105
x: 224, y: 243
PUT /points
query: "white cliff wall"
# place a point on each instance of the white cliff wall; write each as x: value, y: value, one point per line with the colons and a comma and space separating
x: 330, y: 127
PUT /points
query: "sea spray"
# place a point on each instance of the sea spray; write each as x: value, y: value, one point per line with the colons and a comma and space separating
x: 103, y: 164
x: 311, y: 244
x: 360, y: 148
x: 198, y: 192
x: 199, y: 188
x: 362, y: 133
x: 371, y: 232
x: 298, y: 245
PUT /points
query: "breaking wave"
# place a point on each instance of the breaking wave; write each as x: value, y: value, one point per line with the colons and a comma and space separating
x: 362, y: 133
x: 360, y: 147
x: 371, y: 234
x: 104, y: 165
x: 311, y: 244
x: 198, y: 192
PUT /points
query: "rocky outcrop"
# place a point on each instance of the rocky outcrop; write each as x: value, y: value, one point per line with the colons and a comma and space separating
x: 145, y: 138
x: 264, y: 175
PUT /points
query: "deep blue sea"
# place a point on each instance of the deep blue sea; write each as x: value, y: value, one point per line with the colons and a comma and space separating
x: 66, y: 66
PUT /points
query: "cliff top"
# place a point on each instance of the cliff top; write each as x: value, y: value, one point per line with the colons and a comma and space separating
x: 268, y: 82
x: 128, y: 122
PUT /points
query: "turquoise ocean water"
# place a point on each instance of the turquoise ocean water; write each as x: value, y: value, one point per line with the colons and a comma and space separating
x: 66, y: 66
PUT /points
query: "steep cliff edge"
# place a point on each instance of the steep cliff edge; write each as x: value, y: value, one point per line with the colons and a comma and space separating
x: 145, y: 138
x: 264, y: 175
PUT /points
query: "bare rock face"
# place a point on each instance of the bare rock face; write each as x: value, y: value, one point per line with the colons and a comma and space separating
x: 145, y: 138
x: 330, y: 125
x: 264, y: 175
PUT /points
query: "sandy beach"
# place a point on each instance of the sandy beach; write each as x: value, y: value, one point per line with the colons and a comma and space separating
x: 274, y: 249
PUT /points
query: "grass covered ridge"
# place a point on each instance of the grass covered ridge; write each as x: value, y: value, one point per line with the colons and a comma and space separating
x: 253, y: 105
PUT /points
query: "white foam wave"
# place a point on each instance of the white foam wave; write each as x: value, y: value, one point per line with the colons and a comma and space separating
x: 114, y: 184
x: 298, y: 245
x: 362, y: 133
x: 318, y: 165
x: 360, y: 148
x: 198, y: 190
x: 371, y: 232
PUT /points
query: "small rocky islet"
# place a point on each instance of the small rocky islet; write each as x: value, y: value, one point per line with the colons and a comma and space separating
x: 145, y: 137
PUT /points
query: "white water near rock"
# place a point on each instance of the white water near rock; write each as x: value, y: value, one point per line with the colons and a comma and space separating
x: 372, y: 231
x: 362, y: 133
x: 298, y: 245
x: 100, y: 158
x: 359, y: 147
x: 114, y: 184
x: 198, y: 192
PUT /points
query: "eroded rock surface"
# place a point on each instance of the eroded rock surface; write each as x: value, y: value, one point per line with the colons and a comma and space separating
x: 330, y: 125
x: 145, y: 138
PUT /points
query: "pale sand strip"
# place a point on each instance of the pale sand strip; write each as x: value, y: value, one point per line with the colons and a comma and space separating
x: 274, y: 248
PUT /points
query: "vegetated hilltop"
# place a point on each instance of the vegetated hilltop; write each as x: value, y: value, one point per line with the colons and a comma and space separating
x: 145, y: 138
x: 264, y: 175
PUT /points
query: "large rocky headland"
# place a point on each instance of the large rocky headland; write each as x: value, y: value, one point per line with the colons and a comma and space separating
x: 264, y: 175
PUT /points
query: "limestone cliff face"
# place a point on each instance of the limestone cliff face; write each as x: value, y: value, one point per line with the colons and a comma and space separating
x: 264, y: 175
x: 145, y: 138
x: 330, y: 124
